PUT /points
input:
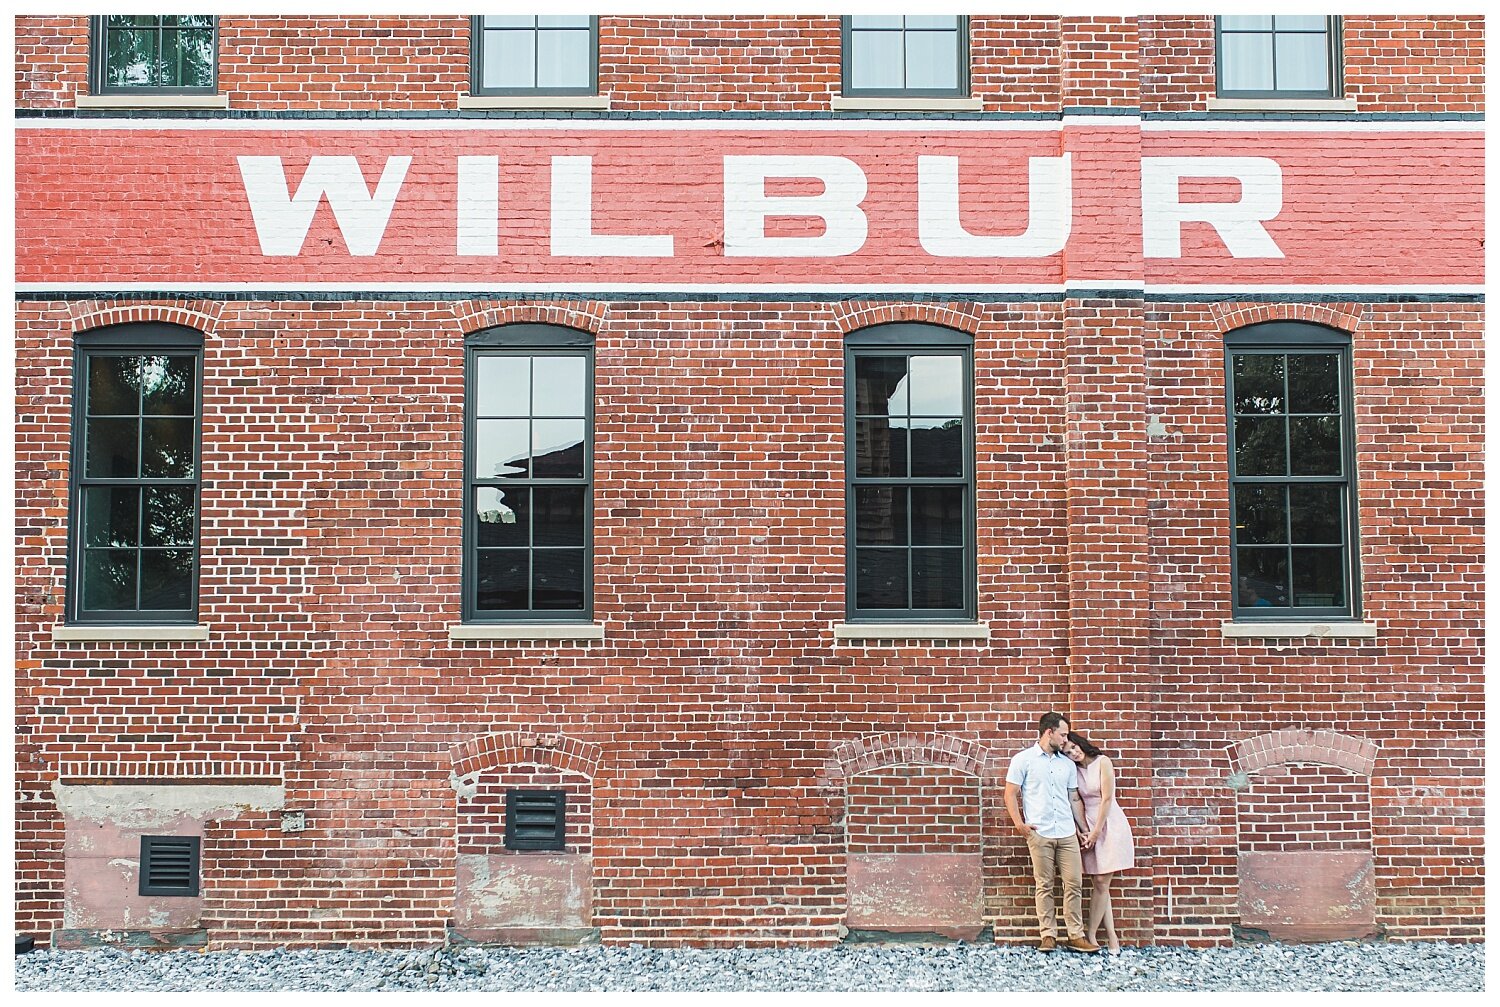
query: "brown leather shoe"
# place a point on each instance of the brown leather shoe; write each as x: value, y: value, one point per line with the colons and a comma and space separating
x: 1048, y: 944
x: 1082, y: 945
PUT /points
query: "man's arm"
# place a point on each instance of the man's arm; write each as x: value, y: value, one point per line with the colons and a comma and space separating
x: 1079, y: 818
x: 1012, y: 804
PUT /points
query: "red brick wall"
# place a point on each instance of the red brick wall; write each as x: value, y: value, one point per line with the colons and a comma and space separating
x: 1304, y: 807
x: 913, y: 809
x: 481, y: 816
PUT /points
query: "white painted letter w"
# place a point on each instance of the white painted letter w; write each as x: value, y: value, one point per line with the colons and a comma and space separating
x: 282, y: 220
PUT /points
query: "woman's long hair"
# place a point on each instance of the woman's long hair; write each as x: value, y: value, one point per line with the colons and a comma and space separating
x: 1085, y: 745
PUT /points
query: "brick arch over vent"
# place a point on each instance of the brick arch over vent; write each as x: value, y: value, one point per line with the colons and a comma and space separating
x: 509, y: 748
x: 860, y: 314
x: 1278, y: 748
x: 1346, y: 317
x: 883, y: 750
x: 585, y: 315
x: 92, y: 315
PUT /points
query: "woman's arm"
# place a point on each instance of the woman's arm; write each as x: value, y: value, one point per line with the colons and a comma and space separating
x: 1106, y: 795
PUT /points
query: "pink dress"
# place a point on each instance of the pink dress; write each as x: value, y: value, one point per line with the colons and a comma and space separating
x: 1115, y: 848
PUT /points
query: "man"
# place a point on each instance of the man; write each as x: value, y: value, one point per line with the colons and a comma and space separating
x: 1045, y: 783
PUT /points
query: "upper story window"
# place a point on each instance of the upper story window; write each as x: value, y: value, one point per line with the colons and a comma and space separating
x: 906, y: 56
x: 909, y: 445
x: 529, y: 54
x: 135, y: 475
x: 528, y: 542
x: 1291, y: 471
x: 1278, y: 56
x: 154, y: 54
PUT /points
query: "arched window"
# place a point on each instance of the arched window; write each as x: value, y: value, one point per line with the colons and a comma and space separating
x: 528, y: 509
x: 1291, y: 471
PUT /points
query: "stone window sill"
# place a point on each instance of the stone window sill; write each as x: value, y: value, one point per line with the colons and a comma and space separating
x: 583, y: 102
x: 128, y: 634
x: 839, y: 103
x: 582, y: 631
x: 1281, y: 105
x: 1298, y: 630
x: 858, y: 632
x: 151, y: 101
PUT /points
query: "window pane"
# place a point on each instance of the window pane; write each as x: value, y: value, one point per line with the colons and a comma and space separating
x: 880, y: 386
x: 1260, y: 446
x: 880, y: 515
x: 167, y: 386
x: 558, y: 584
x: 563, y: 59
x: 937, y: 515
x: 557, y: 449
x: 187, y: 59
x: 113, y: 386
x: 503, y: 577
x: 875, y: 21
x: 110, y: 450
x: 1318, y: 577
x: 875, y: 60
x: 880, y: 578
x: 167, y: 448
x: 1318, y: 515
x: 932, y: 60
x: 111, y: 516
x: 1245, y: 63
x: 1301, y: 22
x: 937, y: 578
x: 948, y: 21
x: 558, y: 514
x: 937, y: 386
x: 937, y: 447
x: 501, y: 516
x: 171, y: 517
x: 1243, y: 22
x: 563, y: 20
x: 1313, y: 382
x: 510, y: 20
x: 509, y: 59
x: 1301, y: 62
x: 879, y: 449
x: 166, y: 578
x: 1259, y: 514
x: 1259, y: 385
x: 1315, y: 446
x: 502, y: 448
x: 1263, y: 580
x: 108, y: 579
x: 189, y: 20
x: 503, y: 387
x: 557, y: 388
x: 130, y: 58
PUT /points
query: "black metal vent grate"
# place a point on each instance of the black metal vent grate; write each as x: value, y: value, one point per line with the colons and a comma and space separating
x: 534, y: 819
x: 169, y: 865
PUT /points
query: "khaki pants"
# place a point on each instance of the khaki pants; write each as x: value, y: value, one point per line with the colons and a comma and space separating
x: 1050, y: 858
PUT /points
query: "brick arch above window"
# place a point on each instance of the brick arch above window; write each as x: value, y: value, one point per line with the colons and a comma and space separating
x: 1232, y: 315
x: 854, y: 315
x: 509, y: 748
x: 585, y: 315
x: 880, y: 751
x: 1279, y: 748
x: 93, y: 315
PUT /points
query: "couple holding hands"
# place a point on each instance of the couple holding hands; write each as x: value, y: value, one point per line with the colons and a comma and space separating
x: 1060, y: 793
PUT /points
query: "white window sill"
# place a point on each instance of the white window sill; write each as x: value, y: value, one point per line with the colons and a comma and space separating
x: 128, y: 634
x: 919, y: 631
x: 1281, y: 105
x: 151, y: 101
x: 586, y: 631
x: 584, y: 102
x: 1298, y: 630
x: 839, y: 103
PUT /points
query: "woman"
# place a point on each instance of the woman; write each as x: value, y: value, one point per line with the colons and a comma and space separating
x: 1107, y: 844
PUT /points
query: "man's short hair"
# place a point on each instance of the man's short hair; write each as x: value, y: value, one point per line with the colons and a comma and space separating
x: 1051, y: 721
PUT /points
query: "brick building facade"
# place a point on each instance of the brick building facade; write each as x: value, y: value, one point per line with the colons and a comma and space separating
x: 328, y: 674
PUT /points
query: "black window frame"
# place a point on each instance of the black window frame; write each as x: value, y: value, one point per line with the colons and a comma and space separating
x: 476, y: 64
x: 909, y: 339
x: 525, y: 339
x: 99, y: 60
x: 554, y: 843
x: 962, y: 54
x: 124, y: 340
x: 1334, y: 30
x: 1284, y: 338
x: 194, y: 847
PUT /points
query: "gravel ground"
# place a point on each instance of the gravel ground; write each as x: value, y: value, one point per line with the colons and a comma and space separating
x: 1345, y: 966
